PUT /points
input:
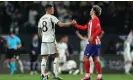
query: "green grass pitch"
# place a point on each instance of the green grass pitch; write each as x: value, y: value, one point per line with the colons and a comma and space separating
x: 65, y: 77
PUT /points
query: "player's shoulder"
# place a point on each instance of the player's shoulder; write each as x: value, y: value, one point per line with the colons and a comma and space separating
x: 52, y: 16
x: 8, y: 37
x: 17, y: 37
x: 65, y: 44
x: 96, y: 19
x: 46, y: 16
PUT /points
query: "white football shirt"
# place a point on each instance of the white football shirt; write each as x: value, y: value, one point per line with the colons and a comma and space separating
x: 130, y: 37
x: 62, y: 49
x: 83, y: 44
x: 47, y: 23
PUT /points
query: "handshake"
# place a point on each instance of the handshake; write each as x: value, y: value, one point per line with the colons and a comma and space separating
x: 73, y: 22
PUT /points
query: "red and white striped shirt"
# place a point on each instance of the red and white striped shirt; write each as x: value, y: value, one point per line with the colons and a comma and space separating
x: 94, y: 30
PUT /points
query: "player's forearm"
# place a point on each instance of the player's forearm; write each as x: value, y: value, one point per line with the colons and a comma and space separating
x: 19, y: 46
x: 81, y: 27
x: 7, y: 45
x: 67, y: 52
x: 102, y: 32
x: 98, y: 31
x: 79, y: 35
x: 39, y: 32
x: 64, y: 24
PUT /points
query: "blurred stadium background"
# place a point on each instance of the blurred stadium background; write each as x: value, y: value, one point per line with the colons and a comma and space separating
x: 22, y: 18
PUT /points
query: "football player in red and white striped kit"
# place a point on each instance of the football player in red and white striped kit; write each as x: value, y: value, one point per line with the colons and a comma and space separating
x: 92, y: 48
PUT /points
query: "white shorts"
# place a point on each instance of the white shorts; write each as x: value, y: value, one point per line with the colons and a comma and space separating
x: 62, y: 59
x: 126, y: 53
x: 48, y: 48
x: 81, y: 56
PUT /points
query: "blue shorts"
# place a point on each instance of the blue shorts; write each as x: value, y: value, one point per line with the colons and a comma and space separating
x: 92, y: 50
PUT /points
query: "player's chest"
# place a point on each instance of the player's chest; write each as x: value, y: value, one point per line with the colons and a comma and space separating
x: 12, y: 41
x: 89, y: 24
x: 61, y: 46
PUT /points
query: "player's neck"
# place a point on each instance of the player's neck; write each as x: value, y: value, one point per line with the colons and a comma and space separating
x: 60, y: 41
x: 93, y: 16
x: 48, y: 13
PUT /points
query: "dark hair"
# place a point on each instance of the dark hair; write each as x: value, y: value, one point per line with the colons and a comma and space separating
x: 48, y: 6
x: 13, y: 32
x: 64, y: 36
x: 97, y: 10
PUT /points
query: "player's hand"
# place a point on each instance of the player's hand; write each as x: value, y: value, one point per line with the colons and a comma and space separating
x: 77, y: 32
x: 74, y: 22
x: 68, y: 54
x: 90, y: 39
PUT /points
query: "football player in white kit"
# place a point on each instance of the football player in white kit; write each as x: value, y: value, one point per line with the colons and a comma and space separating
x: 83, y: 42
x: 127, y: 53
x: 63, y: 51
x: 46, y: 31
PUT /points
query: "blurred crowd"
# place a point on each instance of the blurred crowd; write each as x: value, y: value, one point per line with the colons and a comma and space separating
x: 22, y: 17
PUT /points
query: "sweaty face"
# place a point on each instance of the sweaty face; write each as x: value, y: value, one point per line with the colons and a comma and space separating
x: 92, y: 12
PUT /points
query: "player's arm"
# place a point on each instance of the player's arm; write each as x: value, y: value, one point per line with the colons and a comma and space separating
x: 79, y: 26
x: 39, y: 32
x: 19, y: 43
x: 61, y: 24
x: 8, y: 43
x: 67, y: 52
x: 39, y: 29
x: 102, y: 33
x: 79, y: 35
x: 96, y: 23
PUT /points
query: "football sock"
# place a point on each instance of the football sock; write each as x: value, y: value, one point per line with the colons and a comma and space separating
x: 128, y: 67
x: 21, y: 66
x: 98, y: 69
x: 43, y: 66
x: 55, y: 66
x: 81, y: 67
x: 87, y: 67
x: 12, y: 67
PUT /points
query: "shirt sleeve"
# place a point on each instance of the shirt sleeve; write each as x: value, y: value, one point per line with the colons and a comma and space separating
x: 18, y: 40
x: 39, y: 24
x: 66, y: 46
x: 96, y: 24
x: 129, y: 37
x: 8, y: 40
x: 81, y: 27
x: 54, y: 20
